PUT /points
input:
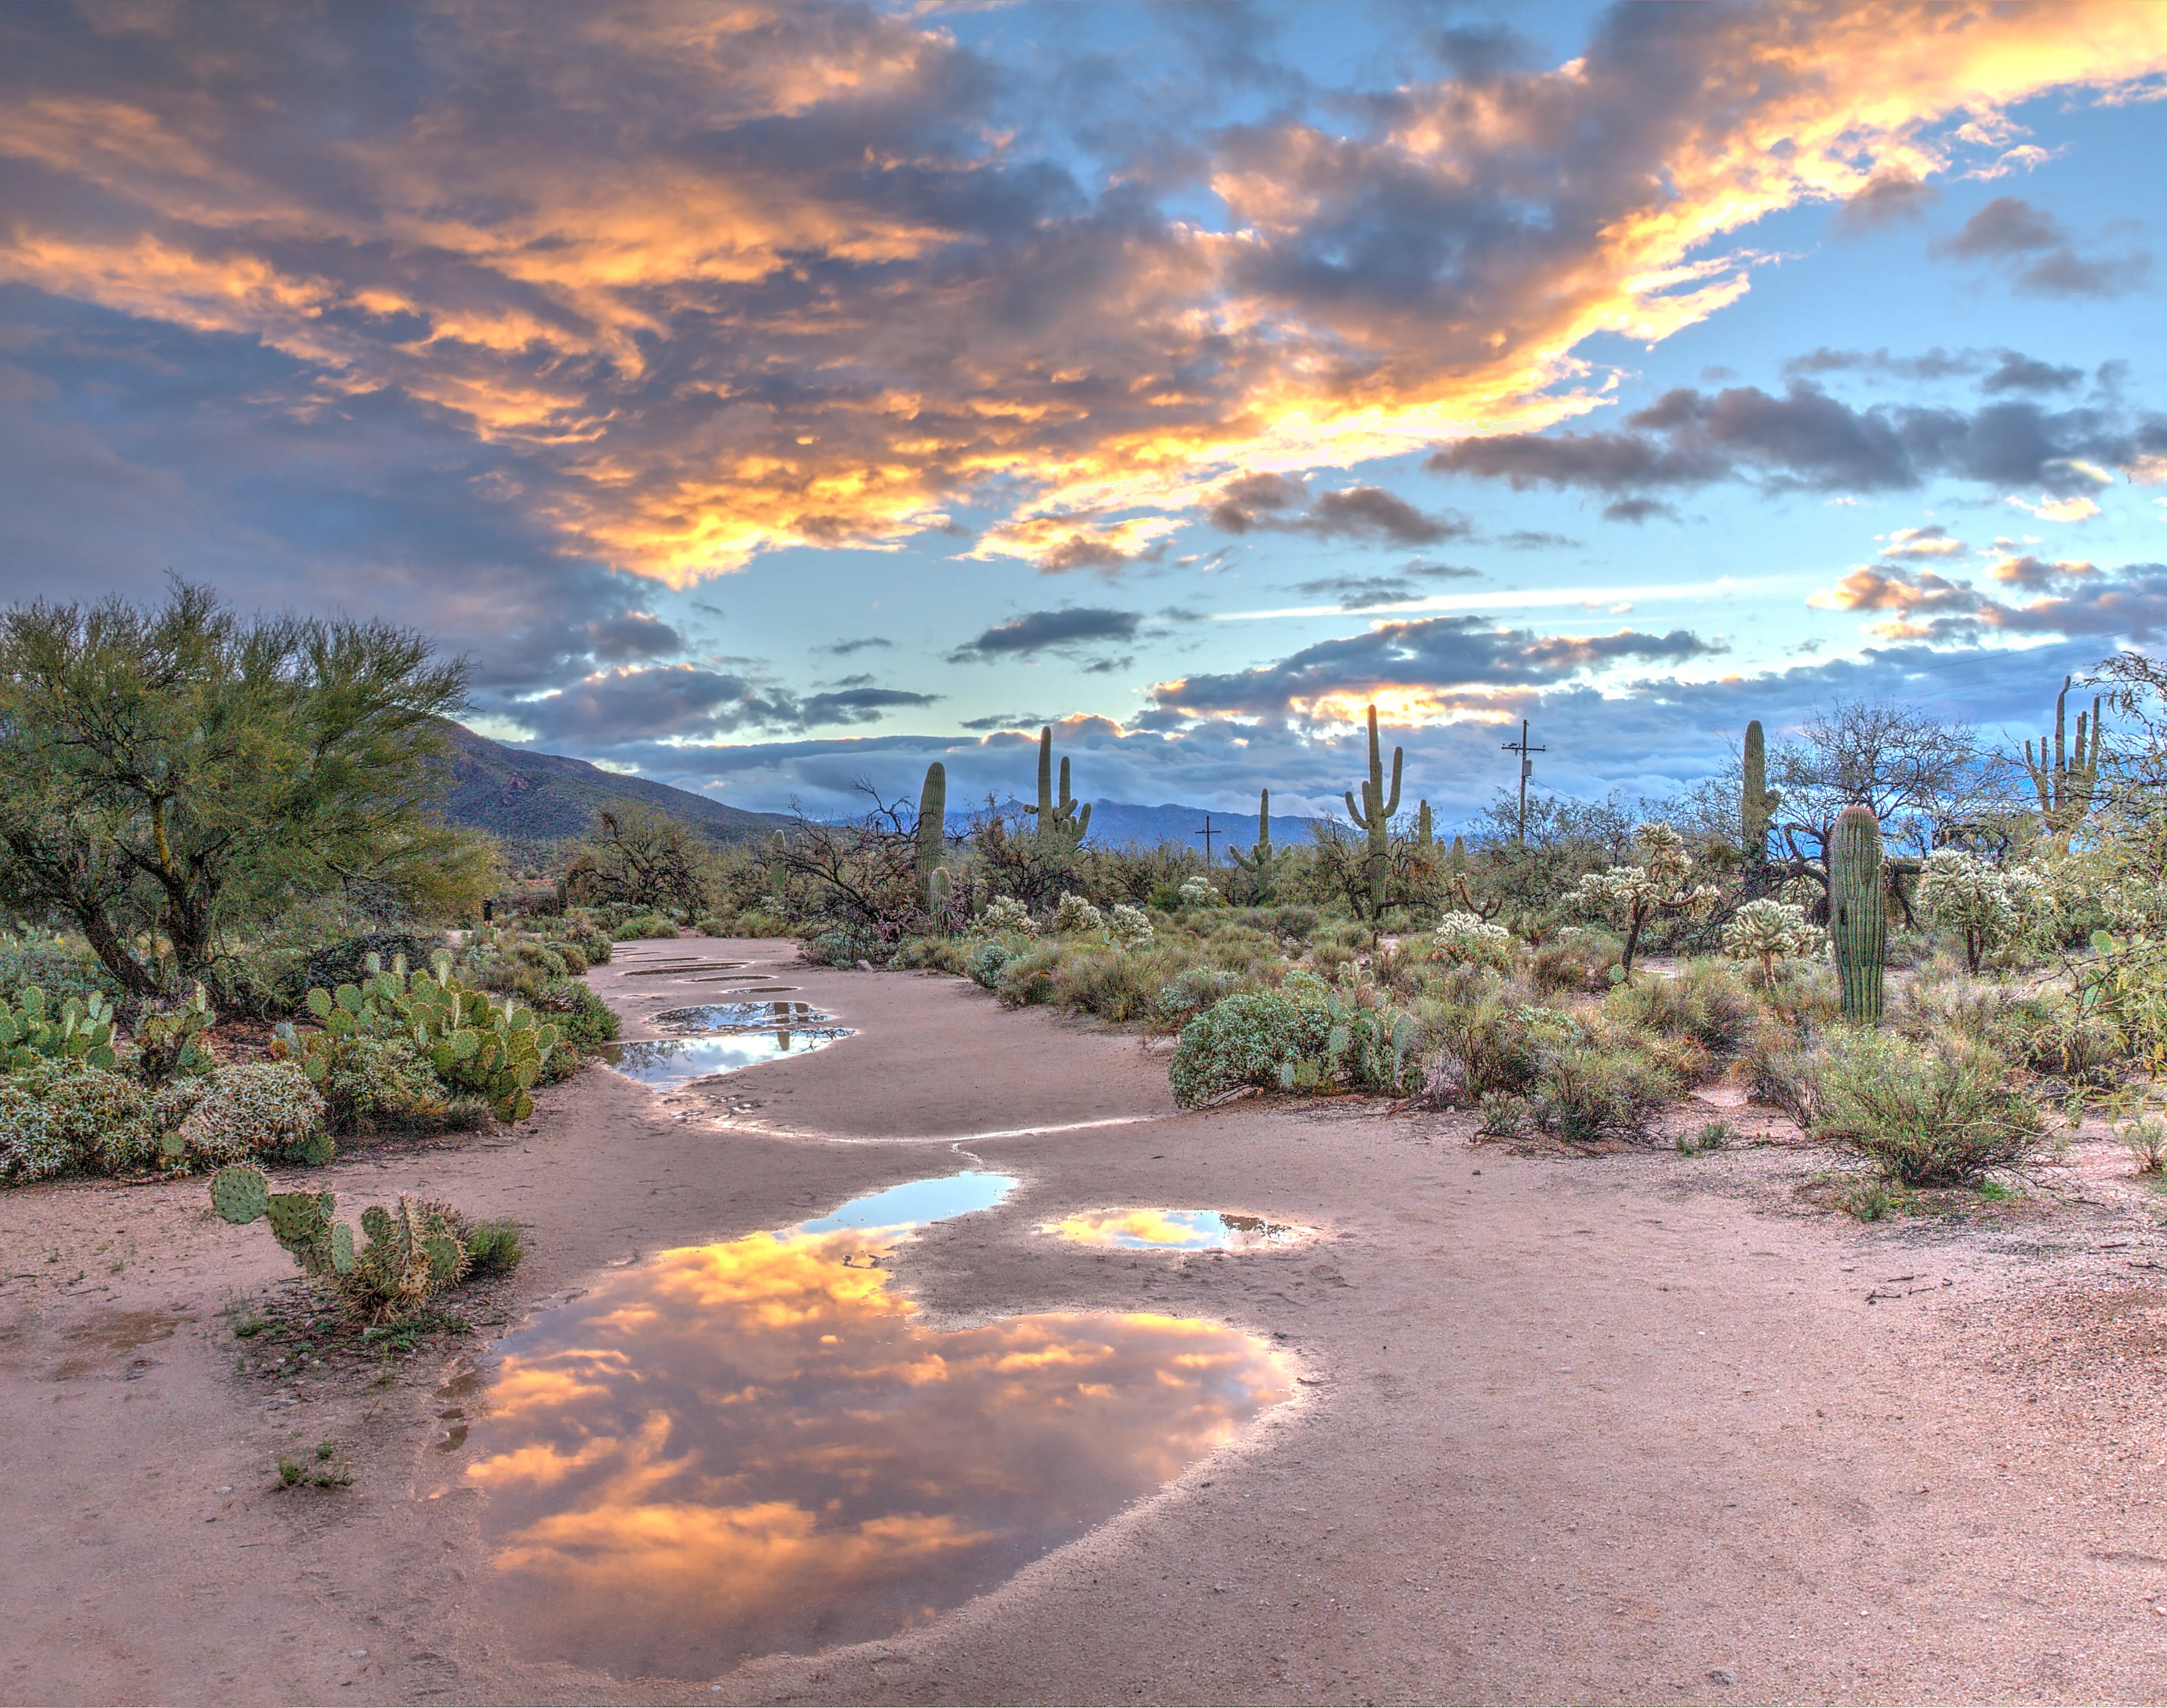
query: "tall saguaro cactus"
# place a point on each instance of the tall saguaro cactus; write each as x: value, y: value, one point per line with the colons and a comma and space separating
x: 1425, y: 828
x: 932, y: 827
x: 1858, y: 911
x: 1374, y: 816
x: 1258, y: 865
x: 1059, y: 819
x: 2067, y: 780
x: 1757, y: 802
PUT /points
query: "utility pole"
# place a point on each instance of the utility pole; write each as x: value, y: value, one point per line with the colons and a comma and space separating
x: 1205, y: 833
x: 1527, y: 770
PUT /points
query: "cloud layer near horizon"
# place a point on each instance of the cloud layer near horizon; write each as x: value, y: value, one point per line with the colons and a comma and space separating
x: 707, y: 281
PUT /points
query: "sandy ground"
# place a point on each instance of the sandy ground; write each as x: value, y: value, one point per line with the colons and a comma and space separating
x: 1631, y: 1428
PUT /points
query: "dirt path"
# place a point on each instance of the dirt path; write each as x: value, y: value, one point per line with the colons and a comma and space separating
x: 1623, y: 1429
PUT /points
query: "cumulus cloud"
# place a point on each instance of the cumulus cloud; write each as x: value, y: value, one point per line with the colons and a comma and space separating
x: 2030, y: 243
x: 2071, y: 598
x: 1046, y: 631
x: 708, y: 282
x: 1806, y: 439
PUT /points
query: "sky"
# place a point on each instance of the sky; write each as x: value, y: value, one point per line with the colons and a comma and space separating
x: 770, y: 400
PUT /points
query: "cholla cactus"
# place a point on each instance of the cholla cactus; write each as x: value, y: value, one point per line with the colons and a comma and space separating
x: 1075, y: 914
x: 1768, y: 931
x: 1197, y: 892
x: 1466, y: 936
x: 1130, y: 927
x: 1006, y: 915
x: 1632, y: 897
x: 1993, y: 908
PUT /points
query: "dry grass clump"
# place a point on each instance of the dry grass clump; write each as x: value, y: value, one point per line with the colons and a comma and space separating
x: 1923, y: 1115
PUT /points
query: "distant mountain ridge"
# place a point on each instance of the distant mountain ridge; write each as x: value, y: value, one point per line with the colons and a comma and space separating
x: 527, y: 797
x: 1128, y: 824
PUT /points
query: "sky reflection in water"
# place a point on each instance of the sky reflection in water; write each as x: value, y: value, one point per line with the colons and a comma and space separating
x: 758, y: 1446
x: 674, y: 1061
x: 1174, y: 1230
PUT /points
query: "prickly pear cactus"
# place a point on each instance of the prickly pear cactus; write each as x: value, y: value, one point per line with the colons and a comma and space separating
x: 239, y: 1194
x: 1858, y: 912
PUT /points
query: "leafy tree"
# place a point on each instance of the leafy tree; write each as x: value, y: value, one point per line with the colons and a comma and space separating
x: 168, y: 774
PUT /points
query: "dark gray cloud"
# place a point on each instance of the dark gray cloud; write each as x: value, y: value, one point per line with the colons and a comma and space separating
x: 1807, y: 439
x: 1447, y: 656
x: 844, y: 649
x: 1888, y: 198
x: 2018, y: 372
x: 2032, y: 246
x: 1278, y: 501
x: 1043, y: 631
x: 859, y: 705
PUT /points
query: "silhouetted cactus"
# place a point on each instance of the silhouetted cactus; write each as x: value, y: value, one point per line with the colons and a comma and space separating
x: 1374, y: 816
x: 932, y: 827
x: 1059, y: 819
x: 1858, y: 911
x: 1425, y: 836
x: 2068, y: 779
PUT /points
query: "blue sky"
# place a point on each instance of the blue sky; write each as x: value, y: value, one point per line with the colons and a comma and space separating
x: 768, y: 402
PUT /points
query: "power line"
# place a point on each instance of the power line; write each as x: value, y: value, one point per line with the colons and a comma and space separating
x: 1527, y: 770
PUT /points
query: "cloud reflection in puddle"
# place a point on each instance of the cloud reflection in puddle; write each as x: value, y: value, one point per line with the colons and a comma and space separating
x: 757, y: 1446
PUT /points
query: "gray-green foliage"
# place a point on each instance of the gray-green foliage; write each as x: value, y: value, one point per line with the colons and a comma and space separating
x: 1924, y: 1115
x: 80, y: 1030
x: 1304, y: 1037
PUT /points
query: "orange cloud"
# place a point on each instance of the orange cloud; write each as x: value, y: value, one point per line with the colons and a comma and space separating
x: 738, y: 280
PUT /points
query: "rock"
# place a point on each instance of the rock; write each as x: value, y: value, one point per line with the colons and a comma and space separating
x: 1722, y: 1675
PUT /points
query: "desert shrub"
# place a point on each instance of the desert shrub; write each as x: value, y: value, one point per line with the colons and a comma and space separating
x: 572, y: 956
x: 494, y: 1248
x: 1074, y: 913
x: 1590, y: 1092
x: 372, y: 1083
x: 1244, y: 1040
x: 1293, y: 924
x: 251, y: 1108
x: 755, y: 922
x: 1193, y: 991
x: 1923, y: 1116
x: 584, y: 1020
x: 1503, y: 1115
x: 1779, y: 1072
x: 1495, y: 1047
x: 346, y: 961
x: 1129, y: 927
x: 987, y: 962
x: 1577, y: 960
x: 641, y: 927
x: 62, y: 969
x: 1328, y: 957
x: 1463, y: 936
x: 1197, y: 892
x: 584, y: 934
x: 29, y: 1149
x: 67, y: 1117
x: 1704, y: 1000
x: 843, y: 949
x: 1766, y: 931
x: 1027, y: 978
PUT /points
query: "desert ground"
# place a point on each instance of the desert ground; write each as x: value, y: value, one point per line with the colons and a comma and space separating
x: 1634, y: 1427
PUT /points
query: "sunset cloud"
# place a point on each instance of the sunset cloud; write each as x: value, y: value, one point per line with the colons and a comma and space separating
x: 719, y: 281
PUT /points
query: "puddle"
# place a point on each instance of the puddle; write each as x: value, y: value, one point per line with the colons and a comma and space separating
x: 1175, y: 1230
x: 711, y: 1016
x: 744, y: 990
x: 675, y: 1061
x: 758, y: 1446
x: 649, y: 970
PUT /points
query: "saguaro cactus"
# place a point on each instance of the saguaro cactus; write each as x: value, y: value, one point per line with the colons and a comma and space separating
x: 2067, y: 780
x: 932, y: 827
x: 1059, y: 819
x: 1258, y: 864
x: 1425, y: 828
x: 1758, y: 801
x: 1374, y: 816
x: 1858, y: 911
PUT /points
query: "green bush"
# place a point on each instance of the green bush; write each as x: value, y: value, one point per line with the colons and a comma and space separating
x: 379, y: 1082
x: 1494, y: 1046
x: 1704, y: 1000
x: 1592, y: 1092
x: 1245, y: 1039
x: 1925, y: 1116
x: 1027, y: 979
x: 642, y: 926
x: 1779, y: 1072
x: 63, y: 970
x: 346, y: 962
x: 493, y: 1248
x: 584, y: 1020
x: 252, y: 1108
x: 67, y: 1117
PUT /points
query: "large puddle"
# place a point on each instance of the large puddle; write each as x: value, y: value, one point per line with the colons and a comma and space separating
x: 708, y: 1017
x: 1175, y: 1230
x: 676, y: 1061
x: 758, y: 1446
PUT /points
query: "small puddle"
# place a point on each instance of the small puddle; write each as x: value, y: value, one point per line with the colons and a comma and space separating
x: 713, y: 1016
x: 739, y: 989
x: 1175, y: 1230
x: 676, y: 1061
x: 649, y: 970
x: 758, y: 1446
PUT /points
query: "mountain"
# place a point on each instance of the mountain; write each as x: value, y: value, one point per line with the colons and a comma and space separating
x: 1126, y: 824
x: 544, y: 797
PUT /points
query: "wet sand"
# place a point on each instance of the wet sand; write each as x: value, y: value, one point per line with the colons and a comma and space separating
x: 1632, y: 1428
